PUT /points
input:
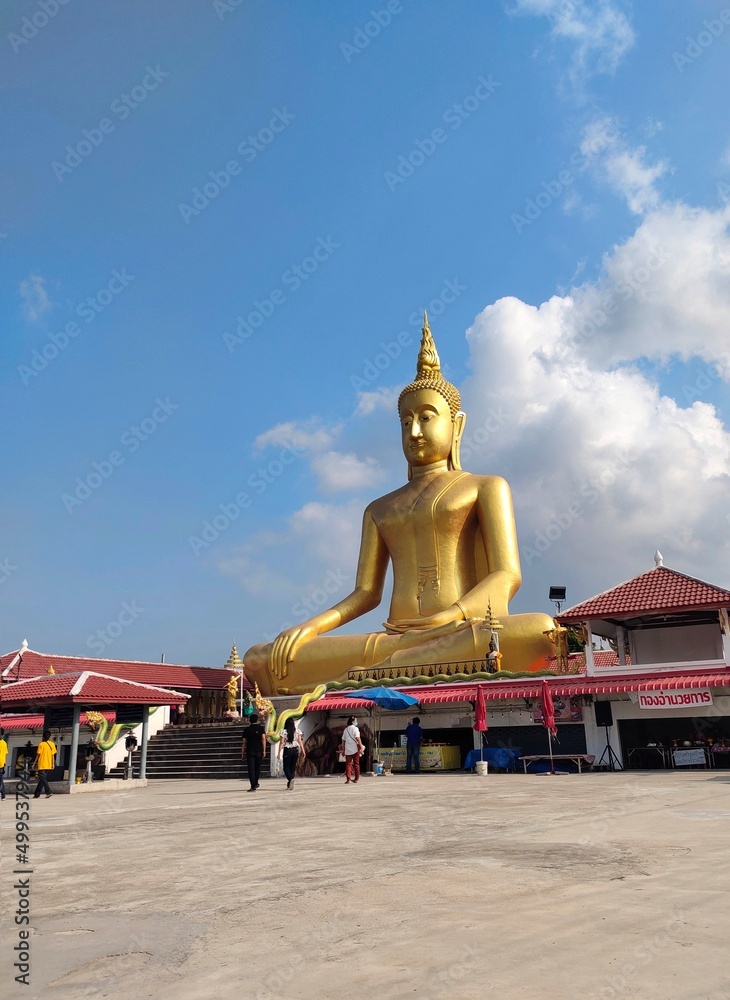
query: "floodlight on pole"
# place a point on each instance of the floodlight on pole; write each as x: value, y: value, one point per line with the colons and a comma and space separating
x: 557, y: 596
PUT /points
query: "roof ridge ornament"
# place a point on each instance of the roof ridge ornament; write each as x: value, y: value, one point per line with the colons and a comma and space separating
x: 658, y: 559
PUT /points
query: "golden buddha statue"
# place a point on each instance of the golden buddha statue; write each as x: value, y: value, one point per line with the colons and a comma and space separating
x: 452, y: 542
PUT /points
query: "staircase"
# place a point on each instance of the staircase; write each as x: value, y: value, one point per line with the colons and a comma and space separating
x: 206, y: 751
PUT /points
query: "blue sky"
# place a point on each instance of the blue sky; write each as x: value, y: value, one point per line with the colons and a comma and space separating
x: 304, y: 237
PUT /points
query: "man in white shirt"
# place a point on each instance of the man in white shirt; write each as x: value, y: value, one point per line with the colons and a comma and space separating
x: 353, y: 751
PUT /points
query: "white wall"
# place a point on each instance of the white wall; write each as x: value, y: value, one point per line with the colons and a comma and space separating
x: 117, y: 754
x: 676, y: 644
x: 626, y: 709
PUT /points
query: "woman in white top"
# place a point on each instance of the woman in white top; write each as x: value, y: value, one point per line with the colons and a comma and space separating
x: 353, y: 750
x: 290, y: 746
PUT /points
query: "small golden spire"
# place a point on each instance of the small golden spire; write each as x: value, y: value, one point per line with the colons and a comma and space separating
x: 234, y: 661
x: 492, y: 619
x: 50, y: 669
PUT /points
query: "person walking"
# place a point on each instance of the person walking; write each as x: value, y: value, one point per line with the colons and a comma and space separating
x: 354, y: 749
x: 253, y: 749
x: 414, y: 735
x: 3, y: 758
x: 290, y: 746
x: 44, y: 761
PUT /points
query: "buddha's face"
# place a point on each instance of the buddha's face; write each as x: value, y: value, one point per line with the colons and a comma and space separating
x: 426, y: 427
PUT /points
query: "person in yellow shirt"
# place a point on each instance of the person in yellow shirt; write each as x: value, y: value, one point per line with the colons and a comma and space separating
x: 44, y: 760
x: 3, y: 758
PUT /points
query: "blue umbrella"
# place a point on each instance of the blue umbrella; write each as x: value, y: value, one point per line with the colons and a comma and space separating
x: 387, y: 698
x: 384, y: 697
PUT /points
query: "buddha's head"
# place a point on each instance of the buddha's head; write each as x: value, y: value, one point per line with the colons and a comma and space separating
x: 432, y: 421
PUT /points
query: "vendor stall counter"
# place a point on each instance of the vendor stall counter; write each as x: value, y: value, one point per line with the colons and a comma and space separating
x: 433, y: 757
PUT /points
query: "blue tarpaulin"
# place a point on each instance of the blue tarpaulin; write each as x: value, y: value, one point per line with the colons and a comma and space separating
x: 496, y: 756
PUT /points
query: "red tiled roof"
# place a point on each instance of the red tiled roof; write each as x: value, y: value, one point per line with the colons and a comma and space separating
x: 10, y: 722
x: 86, y: 687
x: 570, y: 684
x: 661, y: 590
x: 601, y: 658
x: 606, y: 658
x: 159, y: 674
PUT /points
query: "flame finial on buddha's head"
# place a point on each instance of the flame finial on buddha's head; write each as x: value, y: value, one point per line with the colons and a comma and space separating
x: 428, y: 373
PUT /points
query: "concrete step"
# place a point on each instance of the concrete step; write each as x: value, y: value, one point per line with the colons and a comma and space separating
x: 187, y: 768
x: 205, y: 751
x: 167, y: 747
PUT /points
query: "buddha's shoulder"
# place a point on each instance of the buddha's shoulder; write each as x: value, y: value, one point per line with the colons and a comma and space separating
x: 495, y: 483
x: 469, y: 482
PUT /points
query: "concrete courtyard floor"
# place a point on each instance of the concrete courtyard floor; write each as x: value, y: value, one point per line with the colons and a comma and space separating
x: 429, y: 886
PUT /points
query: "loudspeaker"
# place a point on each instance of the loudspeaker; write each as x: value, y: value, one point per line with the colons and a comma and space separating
x: 604, y: 715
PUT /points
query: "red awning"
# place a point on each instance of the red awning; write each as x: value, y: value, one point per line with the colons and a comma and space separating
x: 440, y: 694
x: 447, y: 693
x: 658, y: 682
x: 340, y: 705
x: 11, y: 722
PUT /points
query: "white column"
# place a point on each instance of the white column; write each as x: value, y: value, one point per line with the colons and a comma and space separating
x: 74, y: 746
x: 621, y: 644
x: 145, y: 737
x: 590, y: 662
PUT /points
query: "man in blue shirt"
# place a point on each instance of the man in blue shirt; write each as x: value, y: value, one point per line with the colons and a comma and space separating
x: 414, y: 735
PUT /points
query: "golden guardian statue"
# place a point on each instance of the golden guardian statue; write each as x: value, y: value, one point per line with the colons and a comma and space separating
x: 450, y: 537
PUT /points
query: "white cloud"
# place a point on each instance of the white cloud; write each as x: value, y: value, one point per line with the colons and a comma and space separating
x: 339, y: 473
x: 258, y: 576
x: 336, y: 471
x: 598, y: 33
x: 34, y: 297
x: 603, y: 465
x: 384, y: 398
x: 611, y: 159
x: 634, y: 179
x: 331, y: 532
x: 301, y: 570
x: 308, y: 435
x: 668, y: 287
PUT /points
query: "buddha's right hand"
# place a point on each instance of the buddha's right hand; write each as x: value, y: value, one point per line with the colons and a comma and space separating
x: 285, y: 646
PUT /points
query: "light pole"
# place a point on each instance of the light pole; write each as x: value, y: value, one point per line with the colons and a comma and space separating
x: 130, y: 745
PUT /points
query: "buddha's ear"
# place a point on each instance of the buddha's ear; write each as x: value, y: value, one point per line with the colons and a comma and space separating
x: 455, y: 455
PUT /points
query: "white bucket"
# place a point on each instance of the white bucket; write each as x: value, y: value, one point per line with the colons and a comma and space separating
x: 482, y: 768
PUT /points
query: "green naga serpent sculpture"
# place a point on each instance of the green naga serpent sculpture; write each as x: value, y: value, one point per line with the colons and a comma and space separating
x: 107, y: 737
x: 274, y: 724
